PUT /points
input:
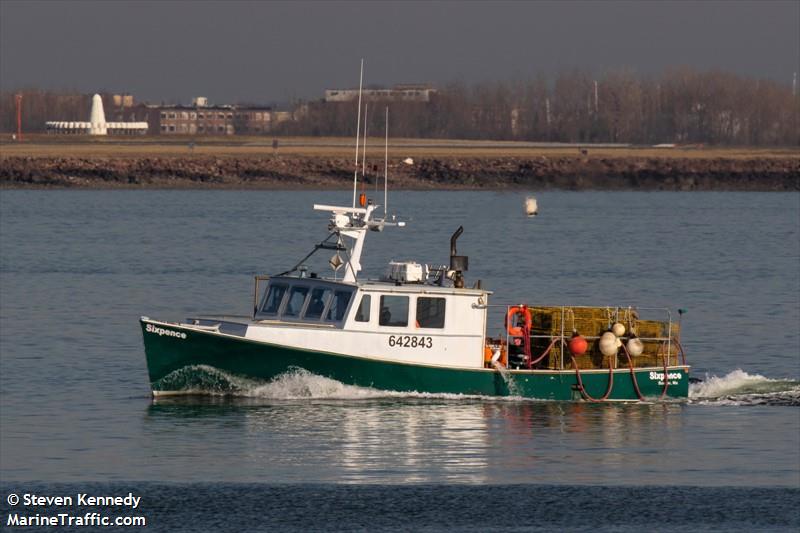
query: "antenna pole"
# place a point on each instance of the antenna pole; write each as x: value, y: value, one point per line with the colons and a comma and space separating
x: 358, y: 131
x: 364, y: 155
x: 386, y: 165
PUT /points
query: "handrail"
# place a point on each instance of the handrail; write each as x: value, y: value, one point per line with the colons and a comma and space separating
x: 544, y: 336
x: 632, y: 307
x: 680, y: 348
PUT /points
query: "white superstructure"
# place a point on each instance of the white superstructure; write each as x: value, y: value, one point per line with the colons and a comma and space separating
x: 409, y: 317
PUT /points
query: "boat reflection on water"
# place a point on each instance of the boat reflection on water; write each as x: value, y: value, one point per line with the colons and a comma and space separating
x: 426, y: 443
x: 418, y: 440
x: 576, y: 443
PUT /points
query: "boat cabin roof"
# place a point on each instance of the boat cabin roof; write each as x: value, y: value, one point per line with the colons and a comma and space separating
x: 378, y: 286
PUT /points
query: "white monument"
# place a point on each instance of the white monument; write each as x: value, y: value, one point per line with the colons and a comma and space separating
x: 97, y: 124
x: 97, y: 117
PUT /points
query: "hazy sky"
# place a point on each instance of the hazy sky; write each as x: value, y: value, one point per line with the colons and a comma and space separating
x: 272, y: 51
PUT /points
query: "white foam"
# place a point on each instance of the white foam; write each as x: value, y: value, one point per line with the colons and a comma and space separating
x: 302, y: 384
x: 738, y: 387
x: 296, y: 384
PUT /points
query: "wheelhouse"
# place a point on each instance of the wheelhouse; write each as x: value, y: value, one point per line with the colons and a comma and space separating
x: 304, y: 301
x: 372, y: 306
x: 410, y: 322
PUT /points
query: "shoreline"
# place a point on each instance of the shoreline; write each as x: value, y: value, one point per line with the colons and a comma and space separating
x: 431, y: 164
x: 477, y: 173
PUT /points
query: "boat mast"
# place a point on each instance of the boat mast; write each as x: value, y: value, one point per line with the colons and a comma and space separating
x: 364, y: 152
x: 358, y: 131
x: 354, y: 222
x: 386, y: 166
x: 351, y: 222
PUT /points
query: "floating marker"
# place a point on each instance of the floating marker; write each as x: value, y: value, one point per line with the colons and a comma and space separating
x: 531, y: 206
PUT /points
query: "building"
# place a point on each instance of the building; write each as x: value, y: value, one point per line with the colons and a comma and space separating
x: 399, y: 93
x: 203, y: 119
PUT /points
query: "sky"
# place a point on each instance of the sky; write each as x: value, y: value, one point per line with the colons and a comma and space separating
x: 268, y: 52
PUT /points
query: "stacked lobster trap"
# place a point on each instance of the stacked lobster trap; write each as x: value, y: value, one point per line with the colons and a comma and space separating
x: 564, y: 337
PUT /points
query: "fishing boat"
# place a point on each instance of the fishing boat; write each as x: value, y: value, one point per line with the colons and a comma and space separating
x: 419, y: 327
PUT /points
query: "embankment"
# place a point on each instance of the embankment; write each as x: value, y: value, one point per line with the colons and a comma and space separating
x: 492, y: 172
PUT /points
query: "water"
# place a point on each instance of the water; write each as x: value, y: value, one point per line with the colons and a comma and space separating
x: 77, y: 269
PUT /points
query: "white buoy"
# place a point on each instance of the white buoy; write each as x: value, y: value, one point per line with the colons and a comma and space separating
x: 608, y: 343
x: 531, y: 206
x: 635, y: 346
x: 408, y: 161
x: 618, y: 328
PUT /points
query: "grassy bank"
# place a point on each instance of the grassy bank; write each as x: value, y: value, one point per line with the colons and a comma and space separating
x: 336, y: 147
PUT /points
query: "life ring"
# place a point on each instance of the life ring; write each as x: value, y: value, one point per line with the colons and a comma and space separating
x: 516, y: 331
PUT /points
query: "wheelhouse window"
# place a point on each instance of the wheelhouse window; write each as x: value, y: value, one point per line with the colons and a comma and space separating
x: 294, y: 304
x: 273, y: 300
x: 317, y: 302
x: 362, y: 315
x: 338, y: 306
x: 394, y: 311
x: 430, y: 312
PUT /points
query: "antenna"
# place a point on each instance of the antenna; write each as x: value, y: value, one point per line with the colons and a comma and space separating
x: 358, y: 131
x: 386, y: 166
x: 364, y: 153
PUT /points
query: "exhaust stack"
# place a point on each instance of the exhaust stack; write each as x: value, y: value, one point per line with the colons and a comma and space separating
x: 458, y: 263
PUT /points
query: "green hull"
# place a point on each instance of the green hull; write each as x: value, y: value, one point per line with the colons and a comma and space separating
x: 167, y: 354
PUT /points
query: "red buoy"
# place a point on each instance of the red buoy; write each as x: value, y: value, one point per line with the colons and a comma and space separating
x: 577, y: 344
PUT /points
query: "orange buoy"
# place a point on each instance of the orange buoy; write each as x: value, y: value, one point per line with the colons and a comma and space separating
x: 516, y: 331
x: 577, y: 344
x: 362, y: 199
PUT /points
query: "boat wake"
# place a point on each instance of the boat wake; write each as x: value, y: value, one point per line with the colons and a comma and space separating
x: 740, y: 388
x: 296, y: 384
x: 736, y: 388
x: 203, y: 380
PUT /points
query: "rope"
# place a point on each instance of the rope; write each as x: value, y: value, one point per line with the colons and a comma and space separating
x: 633, y: 373
x: 586, y: 395
x: 547, y: 351
x: 526, y: 337
x: 683, y: 354
x: 571, y: 312
x: 666, y: 373
x: 666, y: 377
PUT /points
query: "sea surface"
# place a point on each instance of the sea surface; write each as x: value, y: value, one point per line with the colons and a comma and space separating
x: 78, y: 268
